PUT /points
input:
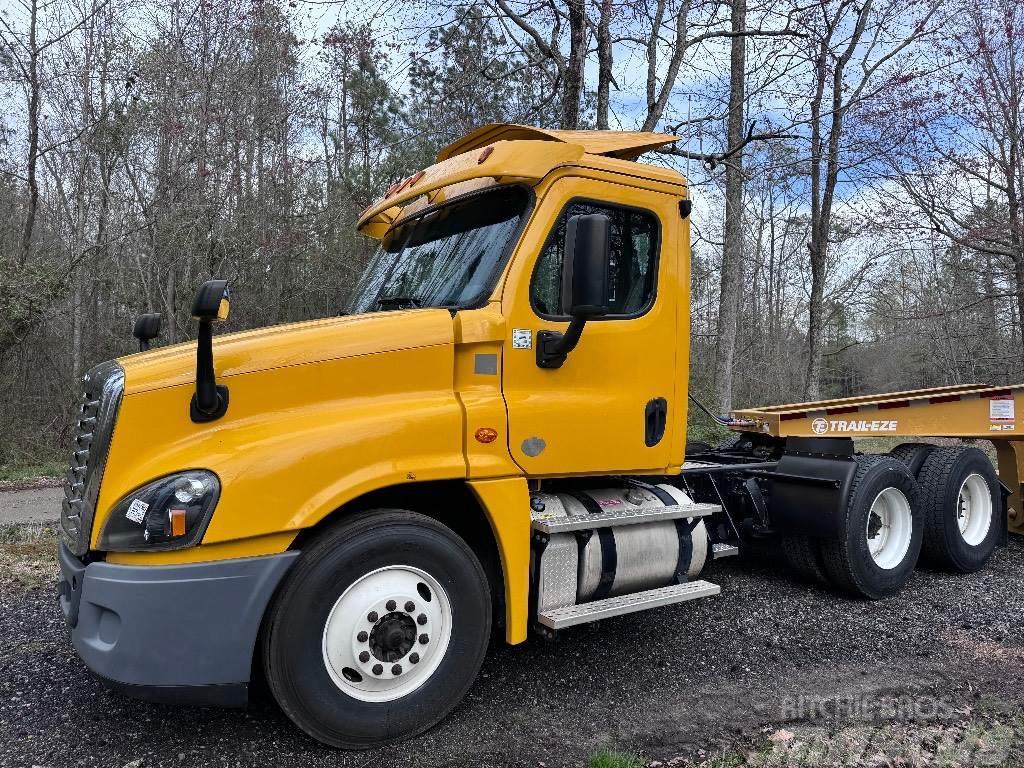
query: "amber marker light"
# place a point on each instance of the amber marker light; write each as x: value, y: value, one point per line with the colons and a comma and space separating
x: 486, y: 435
x: 484, y: 155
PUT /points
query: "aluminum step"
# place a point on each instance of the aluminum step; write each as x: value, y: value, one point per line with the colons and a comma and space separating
x: 615, y: 517
x: 559, y: 618
x: 719, y: 551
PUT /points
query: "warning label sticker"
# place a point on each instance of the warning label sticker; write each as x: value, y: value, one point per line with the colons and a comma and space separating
x: 1001, y: 408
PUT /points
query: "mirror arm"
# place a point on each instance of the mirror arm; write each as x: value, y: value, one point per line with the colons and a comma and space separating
x: 210, y: 400
x: 553, y: 346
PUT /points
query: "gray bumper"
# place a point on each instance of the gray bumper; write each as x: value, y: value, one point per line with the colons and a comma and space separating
x: 173, y: 633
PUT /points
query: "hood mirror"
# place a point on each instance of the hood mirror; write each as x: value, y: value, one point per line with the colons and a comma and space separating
x: 212, y: 305
x: 147, y: 328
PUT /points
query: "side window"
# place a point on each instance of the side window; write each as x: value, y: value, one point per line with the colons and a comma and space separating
x: 633, y: 268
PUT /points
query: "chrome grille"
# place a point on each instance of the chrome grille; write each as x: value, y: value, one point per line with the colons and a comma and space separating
x: 102, y: 388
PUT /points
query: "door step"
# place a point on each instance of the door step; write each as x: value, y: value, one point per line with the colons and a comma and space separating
x: 559, y: 618
x: 719, y: 551
x: 615, y: 517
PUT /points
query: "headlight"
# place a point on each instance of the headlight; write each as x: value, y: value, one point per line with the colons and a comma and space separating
x: 169, y: 513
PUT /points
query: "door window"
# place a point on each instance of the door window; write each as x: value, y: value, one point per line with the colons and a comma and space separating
x: 633, y: 261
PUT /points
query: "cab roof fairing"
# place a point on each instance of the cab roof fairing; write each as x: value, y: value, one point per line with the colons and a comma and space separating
x: 508, y: 153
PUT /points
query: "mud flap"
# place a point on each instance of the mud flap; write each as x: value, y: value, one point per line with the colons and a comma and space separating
x: 810, y: 486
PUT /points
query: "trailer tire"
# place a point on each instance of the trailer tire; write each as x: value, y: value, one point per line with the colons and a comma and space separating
x: 378, y: 631
x: 955, y: 481
x: 803, y: 554
x: 880, y: 531
x: 913, y: 455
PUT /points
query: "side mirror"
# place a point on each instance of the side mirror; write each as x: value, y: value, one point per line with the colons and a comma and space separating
x: 584, y: 285
x: 585, y: 270
x: 147, y: 328
x: 212, y: 304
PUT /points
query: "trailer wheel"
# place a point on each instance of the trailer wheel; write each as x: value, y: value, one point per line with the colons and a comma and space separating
x: 913, y: 455
x: 960, y: 496
x: 881, y: 531
x: 379, y: 630
x: 803, y: 554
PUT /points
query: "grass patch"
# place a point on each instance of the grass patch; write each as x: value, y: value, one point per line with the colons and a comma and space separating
x: 17, y: 472
x: 615, y: 760
x: 28, y: 555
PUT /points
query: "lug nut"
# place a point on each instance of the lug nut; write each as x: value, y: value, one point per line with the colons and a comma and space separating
x: 364, y: 656
x: 378, y: 669
x: 414, y: 658
x: 391, y: 605
x: 362, y: 637
x: 421, y: 619
x: 372, y: 617
x: 396, y: 670
x: 424, y: 639
x: 410, y: 607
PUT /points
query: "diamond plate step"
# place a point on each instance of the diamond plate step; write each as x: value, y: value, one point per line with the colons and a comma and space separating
x: 616, y: 517
x: 724, y: 550
x: 559, y: 618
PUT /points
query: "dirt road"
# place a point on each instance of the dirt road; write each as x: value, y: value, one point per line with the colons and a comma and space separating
x: 31, y: 505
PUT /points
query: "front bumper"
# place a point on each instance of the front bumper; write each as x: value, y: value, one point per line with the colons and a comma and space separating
x: 170, y: 633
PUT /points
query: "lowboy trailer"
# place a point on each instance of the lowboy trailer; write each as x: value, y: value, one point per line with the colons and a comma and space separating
x: 493, y: 434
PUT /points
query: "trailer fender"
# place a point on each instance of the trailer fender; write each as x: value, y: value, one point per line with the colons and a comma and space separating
x: 810, y: 486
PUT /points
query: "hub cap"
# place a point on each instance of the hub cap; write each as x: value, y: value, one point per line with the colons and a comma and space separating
x: 889, y: 528
x: 974, y: 509
x: 387, y: 633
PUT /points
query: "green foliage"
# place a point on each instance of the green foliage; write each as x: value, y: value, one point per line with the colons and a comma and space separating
x: 615, y: 760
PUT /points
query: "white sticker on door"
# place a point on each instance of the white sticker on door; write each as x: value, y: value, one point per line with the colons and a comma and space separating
x: 522, y: 338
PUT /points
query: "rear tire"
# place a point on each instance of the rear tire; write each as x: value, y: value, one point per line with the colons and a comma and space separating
x: 880, y: 533
x: 368, y: 596
x: 913, y: 455
x: 804, y: 557
x: 960, y: 497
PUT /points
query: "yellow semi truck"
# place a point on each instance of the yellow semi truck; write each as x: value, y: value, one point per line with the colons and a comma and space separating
x: 492, y: 436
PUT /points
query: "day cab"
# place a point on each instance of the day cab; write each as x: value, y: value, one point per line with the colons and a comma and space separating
x: 344, y: 505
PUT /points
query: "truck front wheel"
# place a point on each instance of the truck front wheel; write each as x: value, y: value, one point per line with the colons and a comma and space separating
x: 379, y: 630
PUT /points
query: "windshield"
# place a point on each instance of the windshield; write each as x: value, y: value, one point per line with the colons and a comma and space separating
x: 447, y: 257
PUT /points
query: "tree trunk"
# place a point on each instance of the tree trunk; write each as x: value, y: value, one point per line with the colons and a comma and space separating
x: 572, y: 89
x: 604, y: 62
x: 34, y: 88
x: 732, y: 251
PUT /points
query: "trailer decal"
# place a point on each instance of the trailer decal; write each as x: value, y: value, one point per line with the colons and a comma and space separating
x: 823, y: 426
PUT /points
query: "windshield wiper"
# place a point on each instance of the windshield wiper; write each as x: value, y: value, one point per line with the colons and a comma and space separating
x: 399, y: 302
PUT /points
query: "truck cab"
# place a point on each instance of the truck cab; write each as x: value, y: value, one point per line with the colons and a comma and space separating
x: 492, y: 435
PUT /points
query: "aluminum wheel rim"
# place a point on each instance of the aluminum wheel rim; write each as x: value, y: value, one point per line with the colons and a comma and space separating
x: 365, y: 641
x: 974, y: 509
x: 890, y: 527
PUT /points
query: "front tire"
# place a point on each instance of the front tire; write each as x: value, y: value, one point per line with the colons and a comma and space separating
x: 379, y: 630
x: 880, y: 533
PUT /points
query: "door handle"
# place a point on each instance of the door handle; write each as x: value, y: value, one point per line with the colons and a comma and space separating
x: 655, y: 421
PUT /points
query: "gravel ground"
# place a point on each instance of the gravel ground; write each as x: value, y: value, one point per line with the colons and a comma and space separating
x: 770, y: 673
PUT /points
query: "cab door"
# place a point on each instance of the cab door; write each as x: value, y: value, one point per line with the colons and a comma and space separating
x: 611, y: 406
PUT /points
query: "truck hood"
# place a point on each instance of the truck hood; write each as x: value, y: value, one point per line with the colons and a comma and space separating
x: 236, y: 354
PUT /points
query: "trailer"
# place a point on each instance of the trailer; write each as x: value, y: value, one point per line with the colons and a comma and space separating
x: 492, y: 435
